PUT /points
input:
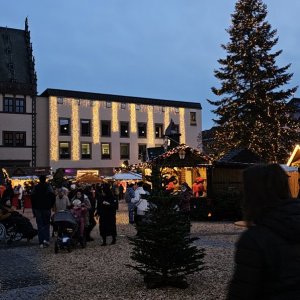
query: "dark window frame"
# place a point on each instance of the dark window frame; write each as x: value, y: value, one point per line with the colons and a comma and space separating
x: 89, y: 127
x: 140, y: 126
x: 107, y: 122
x: 123, y: 134
x: 69, y: 127
x: 62, y: 156
x: 193, y: 120
x: 142, y: 156
x: 86, y: 156
x: 125, y: 156
x: 106, y: 156
x: 160, y: 135
x: 14, y: 105
x: 15, y: 139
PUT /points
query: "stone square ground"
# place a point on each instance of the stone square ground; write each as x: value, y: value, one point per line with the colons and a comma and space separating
x: 28, y: 272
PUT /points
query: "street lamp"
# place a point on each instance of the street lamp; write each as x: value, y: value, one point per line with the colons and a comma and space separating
x: 181, y: 154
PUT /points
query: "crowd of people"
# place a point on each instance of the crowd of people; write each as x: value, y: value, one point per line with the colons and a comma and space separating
x: 267, y: 259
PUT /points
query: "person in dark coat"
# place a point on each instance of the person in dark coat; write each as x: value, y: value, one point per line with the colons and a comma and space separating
x: 106, y: 210
x: 267, y: 259
x: 42, y: 200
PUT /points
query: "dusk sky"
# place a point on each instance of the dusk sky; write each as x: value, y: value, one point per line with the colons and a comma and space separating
x: 166, y: 49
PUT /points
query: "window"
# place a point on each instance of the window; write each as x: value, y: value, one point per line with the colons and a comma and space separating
x: 105, y: 128
x: 142, y: 130
x: 138, y: 107
x: 86, y: 151
x: 60, y: 100
x: 85, y: 127
x: 14, y: 105
x: 193, y: 118
x: 64, y: 150
x: 159, y: 131
x: 105, y: 151
x: 142, y: 151
x: 123, y: 105
x: 64, y: 126
x: 108, y: 104
x: 14, y: 138
x: 124, y: 151
x: 124, y: 129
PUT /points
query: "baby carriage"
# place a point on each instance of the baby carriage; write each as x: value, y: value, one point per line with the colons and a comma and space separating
x: 67, y: 230
x: 15, y: 228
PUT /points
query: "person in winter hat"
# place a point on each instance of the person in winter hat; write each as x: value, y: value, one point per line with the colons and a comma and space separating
x: 267, y: 259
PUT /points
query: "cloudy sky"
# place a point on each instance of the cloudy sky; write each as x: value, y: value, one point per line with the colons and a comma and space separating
x: 164, y: 49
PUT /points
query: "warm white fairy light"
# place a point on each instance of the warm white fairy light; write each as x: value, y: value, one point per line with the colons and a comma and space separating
x: 114, y: 117
x: 133, y: 118
x: 75, y: 130
x: 53, y: 127
x: 166, y: 117
x: 150, y: 127
x: 95, y: 123
x: 182, y: 125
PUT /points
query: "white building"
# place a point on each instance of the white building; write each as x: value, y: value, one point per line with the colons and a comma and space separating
x: 89, y: 130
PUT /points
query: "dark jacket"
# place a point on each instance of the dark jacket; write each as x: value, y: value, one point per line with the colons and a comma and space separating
x: 42, y: 196
x: 268, y: 257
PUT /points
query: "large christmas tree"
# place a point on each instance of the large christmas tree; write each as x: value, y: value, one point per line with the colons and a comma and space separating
x: 252, y: 110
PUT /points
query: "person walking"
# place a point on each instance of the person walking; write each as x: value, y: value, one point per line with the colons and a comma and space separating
x: 43, y: 199
x: 129, y: 195
x: 184, y: 201
x: 267, y: 259
x: 106, y: 210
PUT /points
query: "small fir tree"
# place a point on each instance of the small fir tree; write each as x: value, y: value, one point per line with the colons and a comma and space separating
x: 163, y: 250
x: 252, y: 110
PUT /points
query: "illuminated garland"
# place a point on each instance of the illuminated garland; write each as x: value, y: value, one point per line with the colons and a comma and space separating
x: 95, y: 123
x: 182, y: 125
x: 150, y: 127
x: 75, y: 131
x: 53, y: 129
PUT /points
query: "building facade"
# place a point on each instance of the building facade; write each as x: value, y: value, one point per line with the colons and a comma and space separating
x: 78, y: 130
x: 90, y: 130
x: 18, y: 89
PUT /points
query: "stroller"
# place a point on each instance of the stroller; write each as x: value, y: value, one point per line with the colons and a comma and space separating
x: 15, y: 228
x: 67, y: 231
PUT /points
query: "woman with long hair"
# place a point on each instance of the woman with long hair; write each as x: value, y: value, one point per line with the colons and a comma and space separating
x: 267, y: 259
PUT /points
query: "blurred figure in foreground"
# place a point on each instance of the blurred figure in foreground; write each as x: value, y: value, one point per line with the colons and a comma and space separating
x: 267, y: 259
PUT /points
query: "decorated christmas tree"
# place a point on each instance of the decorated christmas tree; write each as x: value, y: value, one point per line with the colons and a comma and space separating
x: 163, y: 251
x: 252, y: 107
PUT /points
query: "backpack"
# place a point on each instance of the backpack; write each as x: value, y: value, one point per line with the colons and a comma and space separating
x: 127, y: 197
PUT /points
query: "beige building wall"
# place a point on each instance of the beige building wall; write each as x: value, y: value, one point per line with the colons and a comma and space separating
x: 17, y: 122
x: 42, y: 132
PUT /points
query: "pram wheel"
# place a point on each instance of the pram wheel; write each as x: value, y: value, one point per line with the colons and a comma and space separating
x: 56, y: 248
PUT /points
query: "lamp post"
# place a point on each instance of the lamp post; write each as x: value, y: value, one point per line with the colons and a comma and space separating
x: 181, y: 154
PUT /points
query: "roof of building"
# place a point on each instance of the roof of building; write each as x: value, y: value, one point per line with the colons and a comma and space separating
x: 241, y: 156
x: 17, y: 72
x: 118, y: 98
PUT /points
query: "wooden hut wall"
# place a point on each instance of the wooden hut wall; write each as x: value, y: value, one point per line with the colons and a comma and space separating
x: 226, y: 179
x: 293, y: 183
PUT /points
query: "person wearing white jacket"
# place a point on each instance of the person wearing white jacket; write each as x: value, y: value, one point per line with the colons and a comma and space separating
x: 140, y: 202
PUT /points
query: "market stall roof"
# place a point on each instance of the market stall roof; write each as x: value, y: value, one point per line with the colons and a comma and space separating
x: 294, y: 159
x: 89, y: 178
x: 127, y: 176
x: 192, y: 157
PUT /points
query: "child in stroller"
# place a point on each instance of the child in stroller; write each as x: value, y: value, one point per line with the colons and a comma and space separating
x: 14, y: 226
x: 69, y: 227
